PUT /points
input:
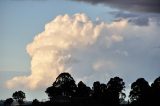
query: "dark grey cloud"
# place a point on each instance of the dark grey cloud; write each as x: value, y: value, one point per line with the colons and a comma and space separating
x: 131, y: 5
x: 137, y: 18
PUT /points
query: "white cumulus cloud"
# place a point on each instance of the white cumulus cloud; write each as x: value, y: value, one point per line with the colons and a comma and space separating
x: 69, y: 39
x: 50, y: 49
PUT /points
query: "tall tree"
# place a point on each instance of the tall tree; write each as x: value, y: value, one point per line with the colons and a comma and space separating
x: 64, y: 85
x: 140, y: 91
x: 115, y: 88
x: 83, y: 90
x: 19, y: 96
x: 96, y: 90
x: 155, y: 87
x: 103, y: 89
x: 103, y: 93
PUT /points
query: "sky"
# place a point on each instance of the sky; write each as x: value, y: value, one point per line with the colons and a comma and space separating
x: 91, y: 39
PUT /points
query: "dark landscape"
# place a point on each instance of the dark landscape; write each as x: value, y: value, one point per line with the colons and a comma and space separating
x: 64, y: 92
x: 79, y: 52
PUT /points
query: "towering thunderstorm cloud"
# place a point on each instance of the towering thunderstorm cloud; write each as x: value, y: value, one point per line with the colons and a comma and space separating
x: 52, y: 50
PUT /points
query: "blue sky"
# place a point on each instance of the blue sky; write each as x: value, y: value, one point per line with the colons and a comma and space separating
x: 136, y: 56
x: 21, y: 20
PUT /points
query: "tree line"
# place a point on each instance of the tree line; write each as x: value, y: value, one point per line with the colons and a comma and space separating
x: 64, y: 91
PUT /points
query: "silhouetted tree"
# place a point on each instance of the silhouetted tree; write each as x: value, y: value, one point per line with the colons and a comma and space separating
x: 83, y: 90
x: 103, y: 92
x: 140, y: 92
x: 96, y: 90
x: 114, y: 91
x: 155, y: 87
x: 53, y: 92
x: 8, y: 102
x: 63, y: 86
x: 35, y: 102
x: 99, y: 92
x: 103, y: 89
x: 19, y: 96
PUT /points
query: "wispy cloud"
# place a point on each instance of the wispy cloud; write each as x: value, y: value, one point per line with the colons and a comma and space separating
x: 137, y: 18
x: 102, y: 65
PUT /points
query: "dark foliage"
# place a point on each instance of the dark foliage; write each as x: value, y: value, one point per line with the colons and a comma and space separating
x: 19, y: 96
x: 83, y: 90
x: 114, y: 91
x: 64, y: 86
x: 35, y: 102
x: 140, y: 92
x: 8, y: 102
x: 96, y: 90
x: 155, y: 91
x: 64, y: 92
